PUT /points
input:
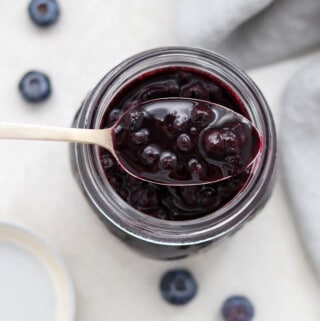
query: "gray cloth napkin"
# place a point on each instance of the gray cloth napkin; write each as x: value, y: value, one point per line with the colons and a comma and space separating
x: 300, y: 145
x: 256, y: 32
x: 250, y: 32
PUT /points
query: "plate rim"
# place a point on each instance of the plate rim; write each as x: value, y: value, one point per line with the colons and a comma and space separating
x: 45, y: 252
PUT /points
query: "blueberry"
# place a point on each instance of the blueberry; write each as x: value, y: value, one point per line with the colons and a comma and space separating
x: 233, y: 164
x: 193, y: 131
x: 44, y: 12
x: 195, y: 167
x: 219, y: 143
x: 133, y: 119
x: 168, y: 161
x: 141, y: 136
x: 173, y: 88
x: 202, y: 115
x: 150, y: 154
x: 184, y: 143
x: 114, y: 116
x: 237, y: 308
x: 241, y: 131
x: 231, y: 140
x: 213, y: 143
x: 180, y: 122
x: 178, y: 286
x: 35, y: 86
x: 209, y: 198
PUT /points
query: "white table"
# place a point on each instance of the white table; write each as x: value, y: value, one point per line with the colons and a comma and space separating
x: 265, y: 260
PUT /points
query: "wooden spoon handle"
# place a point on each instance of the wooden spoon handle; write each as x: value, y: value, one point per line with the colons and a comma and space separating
x: 101, y: 137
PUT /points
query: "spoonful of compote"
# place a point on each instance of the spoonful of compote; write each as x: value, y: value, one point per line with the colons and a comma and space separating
x: 169, y: 141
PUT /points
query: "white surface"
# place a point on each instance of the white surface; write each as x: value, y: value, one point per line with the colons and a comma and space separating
x: 300, y: 135
x: 265, y: 260
x: 35, y: 285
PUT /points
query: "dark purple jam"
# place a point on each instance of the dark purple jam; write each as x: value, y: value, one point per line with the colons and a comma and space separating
x: 171, y: 202
x: 176, y: 141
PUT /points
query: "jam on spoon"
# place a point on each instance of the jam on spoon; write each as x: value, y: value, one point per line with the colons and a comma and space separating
x: 169, y: 141
x: 177, y: 141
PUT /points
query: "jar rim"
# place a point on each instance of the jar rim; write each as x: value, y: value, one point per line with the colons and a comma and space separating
x: 207, y: 228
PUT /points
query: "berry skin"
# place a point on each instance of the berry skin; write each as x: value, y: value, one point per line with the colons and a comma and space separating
x: 178, y: 287
x: 168, y: 161
x: 44, y: 12
x: 237, y: 308
x: 133, y: 120
x: 184, y: 142
x: 151, y: 154
x: 180, y: 122
x: 220, y: 143
x: 195, y: 167
x: 202, y: 115
x: 35, y: 87
x: 141, y: 136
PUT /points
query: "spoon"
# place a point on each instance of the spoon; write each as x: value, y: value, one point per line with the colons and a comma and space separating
x: 170, y: 141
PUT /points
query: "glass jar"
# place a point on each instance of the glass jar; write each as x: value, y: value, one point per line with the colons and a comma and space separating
x: 154, y: 237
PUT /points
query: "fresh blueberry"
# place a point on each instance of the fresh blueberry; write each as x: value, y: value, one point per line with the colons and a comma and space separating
x: 35, y: 86
x: 178, y: 286
x: 44, y: 12
x: 237, y: 308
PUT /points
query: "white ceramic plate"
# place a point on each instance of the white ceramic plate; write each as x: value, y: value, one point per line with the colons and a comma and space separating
x: 35, y: 284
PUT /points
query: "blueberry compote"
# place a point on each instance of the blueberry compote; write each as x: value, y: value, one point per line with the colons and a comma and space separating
x: 171, y: 202
x: 184, y: 141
